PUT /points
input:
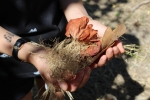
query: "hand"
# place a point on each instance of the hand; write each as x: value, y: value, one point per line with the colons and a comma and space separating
x: 41, y: 64
x: 83, y: 75
x: 111, y: 52
x: 81, y: 78
x: 71, y: 85
x: 114, y: 51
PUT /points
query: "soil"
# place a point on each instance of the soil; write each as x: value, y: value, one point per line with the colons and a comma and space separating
x: 126, y: 77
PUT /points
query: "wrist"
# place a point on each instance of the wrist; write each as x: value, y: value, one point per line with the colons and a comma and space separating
x: 98, y: 26
x: 29, y: 51
x: 17, y: 46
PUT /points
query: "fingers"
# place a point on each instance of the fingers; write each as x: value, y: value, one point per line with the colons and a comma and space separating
x: 73, y: 84
x: 104, y: 58
x: 110, y: 53
x: 116, y: 51
x: 87, y: 73
x: 102, y: 61
x: 120, y: 47
x: 81, y: 78
x: 59, y: 95
x: 63, y: 85
x: 83, y: 75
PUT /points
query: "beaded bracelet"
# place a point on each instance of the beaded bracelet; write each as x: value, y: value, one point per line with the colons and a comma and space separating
x: 17, y: 46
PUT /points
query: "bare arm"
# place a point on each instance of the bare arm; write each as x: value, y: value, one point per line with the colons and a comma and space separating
x: 75, y: 9
x: 7, y: 41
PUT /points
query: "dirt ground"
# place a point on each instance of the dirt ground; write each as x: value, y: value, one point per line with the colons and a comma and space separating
x: 127, y: 77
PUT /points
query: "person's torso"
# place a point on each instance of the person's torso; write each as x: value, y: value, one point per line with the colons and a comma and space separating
x: 29, y: 17
x: 35, y: 19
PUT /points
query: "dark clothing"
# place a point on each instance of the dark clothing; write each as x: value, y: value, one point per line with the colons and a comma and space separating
x: 15, y: 89
x: 35, y: 19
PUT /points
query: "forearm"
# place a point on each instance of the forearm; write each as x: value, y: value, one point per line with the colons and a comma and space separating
x: 74, y: 9
x: 7, y: 41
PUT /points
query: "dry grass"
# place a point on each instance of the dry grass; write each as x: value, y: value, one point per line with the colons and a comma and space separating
x: 126, y: 77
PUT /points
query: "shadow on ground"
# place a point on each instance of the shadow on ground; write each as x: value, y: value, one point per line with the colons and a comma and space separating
x: 104, y: 7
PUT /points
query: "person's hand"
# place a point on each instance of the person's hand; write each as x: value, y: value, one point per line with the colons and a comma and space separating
x: 111, y: 52
x: 83, y: 75
x: 41, y: 64
x: 71, y: 85
x: 115, y: 51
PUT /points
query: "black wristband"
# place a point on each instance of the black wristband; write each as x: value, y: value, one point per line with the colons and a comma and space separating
x: 17, y: 46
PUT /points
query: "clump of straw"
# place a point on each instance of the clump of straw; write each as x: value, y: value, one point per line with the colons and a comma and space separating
x: 80, y: 49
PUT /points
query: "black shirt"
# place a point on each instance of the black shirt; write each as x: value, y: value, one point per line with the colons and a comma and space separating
x: 35, y: 19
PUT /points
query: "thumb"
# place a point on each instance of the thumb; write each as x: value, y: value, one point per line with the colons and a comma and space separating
x: 63, y: 85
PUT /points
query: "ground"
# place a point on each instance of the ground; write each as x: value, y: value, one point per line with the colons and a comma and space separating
x: 126, y: 77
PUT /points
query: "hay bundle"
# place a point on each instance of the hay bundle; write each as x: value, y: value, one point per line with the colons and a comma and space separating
x: 80, y: 49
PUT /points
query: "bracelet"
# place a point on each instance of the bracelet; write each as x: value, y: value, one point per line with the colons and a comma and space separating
x: 17, y: 46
